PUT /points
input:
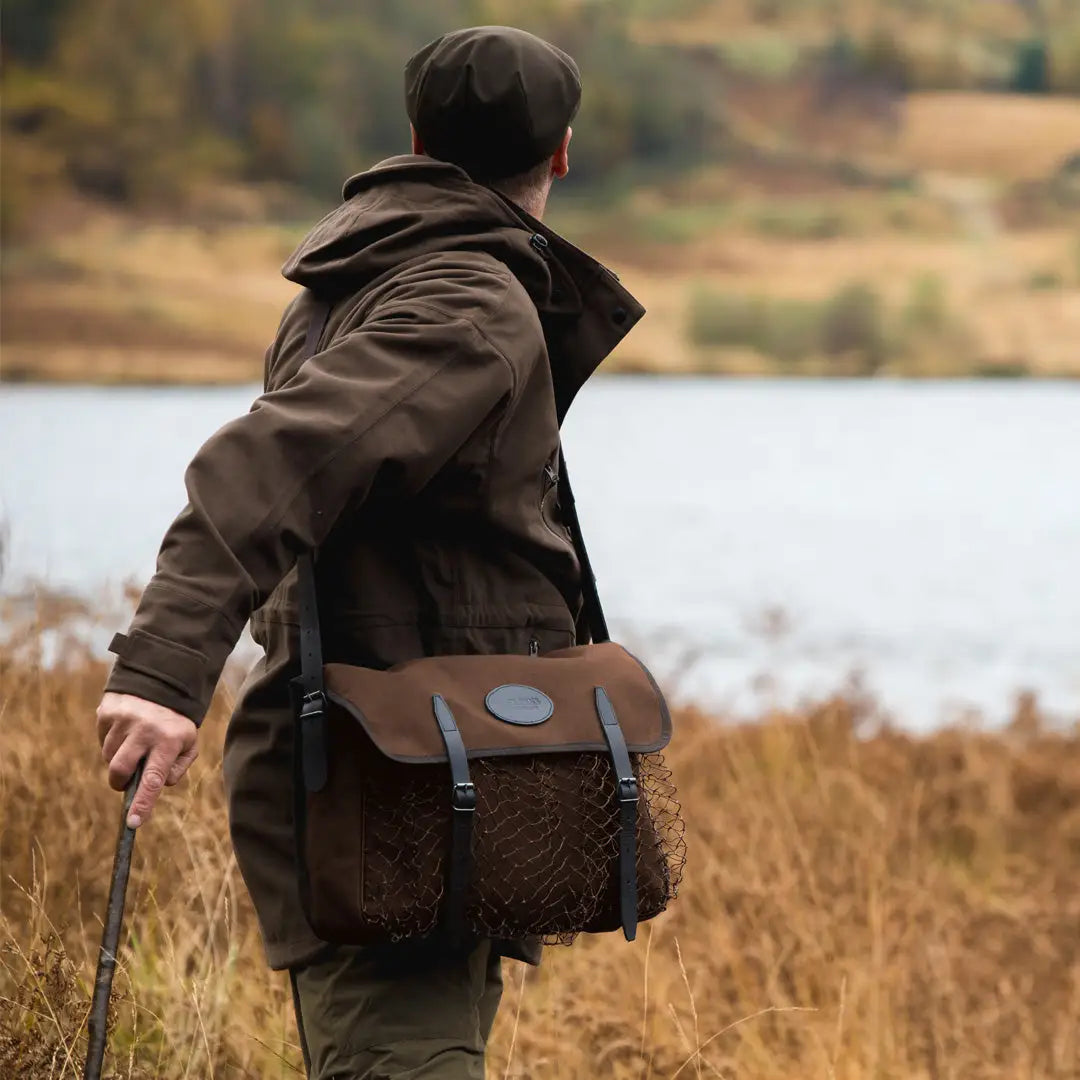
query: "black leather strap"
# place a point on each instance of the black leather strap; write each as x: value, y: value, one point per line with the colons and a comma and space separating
x: 463, y: 806
x: 313, y: 748
x: 314, y: 753
x: 627, y: 790
x: 594, y: 611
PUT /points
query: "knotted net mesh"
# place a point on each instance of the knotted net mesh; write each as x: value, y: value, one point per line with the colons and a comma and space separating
x: 545, y: 847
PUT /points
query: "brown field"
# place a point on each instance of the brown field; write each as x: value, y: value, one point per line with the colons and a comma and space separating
x: 858, y: 903
x: 118, y: 300
x: 1013, y: 137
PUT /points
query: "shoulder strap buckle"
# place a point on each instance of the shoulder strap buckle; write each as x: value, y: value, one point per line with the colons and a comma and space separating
x: 464, y: 797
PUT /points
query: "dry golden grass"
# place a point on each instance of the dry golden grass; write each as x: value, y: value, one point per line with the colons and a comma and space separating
x: 857, y: 905
x: 1011, y: 137
x: 119, y: 300
x: 998, y: 138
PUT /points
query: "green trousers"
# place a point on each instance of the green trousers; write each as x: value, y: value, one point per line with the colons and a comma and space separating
x: 399, y: 1012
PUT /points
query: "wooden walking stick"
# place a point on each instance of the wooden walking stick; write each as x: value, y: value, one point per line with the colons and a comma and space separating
x: 110, y: 937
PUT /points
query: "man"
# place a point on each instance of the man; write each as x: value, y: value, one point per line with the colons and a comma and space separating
x: 417, y: 451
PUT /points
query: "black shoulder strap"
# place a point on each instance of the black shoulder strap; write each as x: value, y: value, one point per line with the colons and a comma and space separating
x: 594, y: 611
x: 313, y: 748
x: 311, y: 662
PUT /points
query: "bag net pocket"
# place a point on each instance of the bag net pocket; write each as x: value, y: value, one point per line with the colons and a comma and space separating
x: 544, y: 846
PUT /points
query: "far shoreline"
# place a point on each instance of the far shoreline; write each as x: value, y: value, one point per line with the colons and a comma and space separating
x: 251, y: 376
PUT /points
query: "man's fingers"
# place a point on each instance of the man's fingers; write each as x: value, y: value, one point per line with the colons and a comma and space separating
x: 112, y: 741
x: 153, y: 780
x: 123, y: 762
x: 131, y: 728
x: 113, y: 713
x: 181, y: 764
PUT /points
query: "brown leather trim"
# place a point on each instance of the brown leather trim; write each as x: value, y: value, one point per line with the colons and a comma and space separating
x: 394, y: 706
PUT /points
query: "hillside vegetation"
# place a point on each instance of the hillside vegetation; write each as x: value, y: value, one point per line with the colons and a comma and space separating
x: 143, y: 103
x: 859, y: 903
x: 796, y: 187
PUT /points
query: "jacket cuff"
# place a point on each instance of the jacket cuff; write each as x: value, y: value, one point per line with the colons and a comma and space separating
x: 161, y: 671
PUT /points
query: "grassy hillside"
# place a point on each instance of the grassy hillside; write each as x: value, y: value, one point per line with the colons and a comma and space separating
x: 949, y: 246
x: 858, y: 903
x: 796, y: 187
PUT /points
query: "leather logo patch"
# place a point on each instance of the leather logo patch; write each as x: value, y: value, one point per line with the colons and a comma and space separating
x: 519, y: 704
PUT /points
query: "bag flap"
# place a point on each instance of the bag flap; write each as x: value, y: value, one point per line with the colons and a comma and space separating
x: 504, y: 704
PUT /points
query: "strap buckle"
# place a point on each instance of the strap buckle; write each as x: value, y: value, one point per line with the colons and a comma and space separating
x: 463, y: 797
x: 312, y: 731
x: 313, y: 705
x: 628, y: 790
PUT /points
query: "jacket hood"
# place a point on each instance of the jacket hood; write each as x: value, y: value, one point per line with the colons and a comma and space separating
x: 411, y: 206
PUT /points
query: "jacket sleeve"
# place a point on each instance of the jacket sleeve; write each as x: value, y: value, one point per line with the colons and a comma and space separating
x: 403, y: 393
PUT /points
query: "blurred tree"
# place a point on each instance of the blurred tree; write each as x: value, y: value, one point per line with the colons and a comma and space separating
x: 1032, y: 73
x: 29, y: 28
x: 853, y: 324
x: 883, y: 58
x: 133, y: 100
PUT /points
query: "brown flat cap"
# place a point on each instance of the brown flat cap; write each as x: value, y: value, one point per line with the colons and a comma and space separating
x: 493, y: 99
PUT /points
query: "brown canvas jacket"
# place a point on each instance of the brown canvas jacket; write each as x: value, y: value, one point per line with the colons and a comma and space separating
x: 416, y: 451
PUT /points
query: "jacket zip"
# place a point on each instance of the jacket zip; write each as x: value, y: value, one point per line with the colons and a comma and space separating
x: 551, y: 479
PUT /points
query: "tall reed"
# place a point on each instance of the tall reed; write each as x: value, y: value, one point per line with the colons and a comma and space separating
x: 859, y: 903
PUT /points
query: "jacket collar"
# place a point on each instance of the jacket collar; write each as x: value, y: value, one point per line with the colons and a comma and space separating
x: 584, y: 310
x: 585, y: 315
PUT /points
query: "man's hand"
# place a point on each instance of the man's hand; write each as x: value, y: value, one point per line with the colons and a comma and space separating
x: 130, y: 729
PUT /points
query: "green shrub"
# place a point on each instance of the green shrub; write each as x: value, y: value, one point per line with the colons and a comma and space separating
x: 927, y: 307
x: 1065, y: 60
x: 849, y: 329
x: 1002, y: 369
x: 726, y: 319
x: 802, y: 221
x: 882, y: 56
x: 679, y: 223
x: 851, y: 332
x: 1045, y: 280
x: 853, y: 325
x: 791, y: 333
x: 785, y: 330
x: 767, y: 56
x: 1065, y: 183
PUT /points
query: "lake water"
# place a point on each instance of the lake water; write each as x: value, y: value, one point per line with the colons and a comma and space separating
x: 757, y: 541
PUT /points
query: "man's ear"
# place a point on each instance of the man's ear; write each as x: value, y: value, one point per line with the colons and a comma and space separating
x: 417, y: 144
x: 560, y: 161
